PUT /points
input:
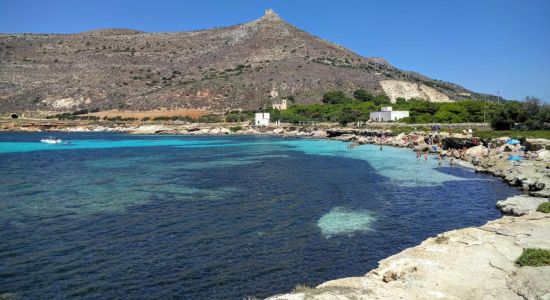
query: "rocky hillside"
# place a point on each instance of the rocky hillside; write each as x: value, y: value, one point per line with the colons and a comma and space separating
x: 246, y: 66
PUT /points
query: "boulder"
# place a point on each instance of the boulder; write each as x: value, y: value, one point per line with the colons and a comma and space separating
x: 149, y: 129
x: 320, y: 133
x: 214, y: 131
x: 506, y: 148
x: 477, y: 151
x: 345, y: 137
x: 362, y: 140
x: 538, y: 144
x: 520, y: 205
x: 278, y: 131
x: 543, y: 155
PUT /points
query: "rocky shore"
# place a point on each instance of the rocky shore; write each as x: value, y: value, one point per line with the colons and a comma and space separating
x: 470, y: 263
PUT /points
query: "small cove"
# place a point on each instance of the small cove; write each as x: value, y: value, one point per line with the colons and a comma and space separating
x: 116, y: 215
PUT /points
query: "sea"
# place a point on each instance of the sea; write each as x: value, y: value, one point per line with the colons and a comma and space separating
x: 109, y: 215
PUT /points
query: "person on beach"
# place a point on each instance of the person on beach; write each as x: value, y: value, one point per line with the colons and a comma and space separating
x: 439, y: 159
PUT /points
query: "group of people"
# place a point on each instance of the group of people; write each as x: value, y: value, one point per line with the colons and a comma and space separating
x: 419, y: 155
x: 452, y: 154
x: 436, y: 129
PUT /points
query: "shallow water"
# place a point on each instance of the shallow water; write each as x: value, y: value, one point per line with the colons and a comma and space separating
x: 119, y: 216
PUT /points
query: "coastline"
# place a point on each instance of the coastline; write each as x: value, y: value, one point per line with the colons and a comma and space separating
x: 441, y: 267
x: 469, y: 263
x: 522, y: 174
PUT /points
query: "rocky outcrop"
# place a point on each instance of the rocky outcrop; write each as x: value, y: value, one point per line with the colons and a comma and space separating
x: 407, y: 90
x: 470, y: 263
x: 538, y: 144
x: 532, y: 176
x: 520, y: 205
x: 477, y: 151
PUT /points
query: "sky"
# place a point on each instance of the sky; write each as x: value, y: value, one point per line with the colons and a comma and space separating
x: 489, y: 46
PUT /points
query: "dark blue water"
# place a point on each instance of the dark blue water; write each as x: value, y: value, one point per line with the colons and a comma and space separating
x: 118, y: 216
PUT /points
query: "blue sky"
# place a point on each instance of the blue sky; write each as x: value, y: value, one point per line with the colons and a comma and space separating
x: 484, y: 45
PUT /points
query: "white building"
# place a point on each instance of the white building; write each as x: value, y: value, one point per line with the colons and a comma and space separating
x: 280, y: 106
x: 388, y: 114
x: 261, y: 119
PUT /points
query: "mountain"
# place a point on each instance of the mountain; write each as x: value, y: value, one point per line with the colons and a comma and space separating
x: 246, y: 66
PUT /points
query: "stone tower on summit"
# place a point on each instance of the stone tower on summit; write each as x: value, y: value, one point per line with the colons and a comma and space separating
x: 270, y: 14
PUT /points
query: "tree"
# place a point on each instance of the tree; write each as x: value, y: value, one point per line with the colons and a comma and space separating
x: 538, y: 114
x: 531, y: 105
x: 501, y: 119
x: 381, y: 99
x: 400, y: 101
x: 335, y: 97
x: 363, y: 95
x: 347, y: 116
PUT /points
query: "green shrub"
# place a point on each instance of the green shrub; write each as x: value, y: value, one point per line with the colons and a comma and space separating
x: 544, y: 207
x: 362, y: 95
x: 210, y: 119
x: 534, y: 257
x: 381, y: 99
x: 335, y: 97
x: 173, y: 118
x: 235, y: 128
x: 236, y: 117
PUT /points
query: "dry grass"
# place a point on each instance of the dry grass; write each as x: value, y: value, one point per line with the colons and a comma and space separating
x: 302, y: 288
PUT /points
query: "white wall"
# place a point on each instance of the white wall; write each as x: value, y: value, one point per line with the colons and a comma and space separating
x: 385, y: 116
x: 396, y: 115
x: 261, y: 119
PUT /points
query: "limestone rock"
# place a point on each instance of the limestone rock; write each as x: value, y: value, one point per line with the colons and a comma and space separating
x: 477, y: 151
x: 543, y: 155
x: 148, y: 129
x: 320, y: 133
x: 472, y: 263
x: 345, y: 137
x: 520, y: 205
x: 278, y: 131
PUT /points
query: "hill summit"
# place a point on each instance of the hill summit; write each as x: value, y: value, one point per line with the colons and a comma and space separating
x: 246, y: 66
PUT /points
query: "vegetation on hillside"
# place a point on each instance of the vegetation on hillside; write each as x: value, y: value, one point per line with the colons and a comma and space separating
x: 338, y: 107
x: 528, y: 118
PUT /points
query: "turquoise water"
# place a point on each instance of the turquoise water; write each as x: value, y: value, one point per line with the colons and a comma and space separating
x: 112, y: 215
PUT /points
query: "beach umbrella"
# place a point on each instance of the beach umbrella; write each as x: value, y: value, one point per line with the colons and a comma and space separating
x: 512, y: 142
